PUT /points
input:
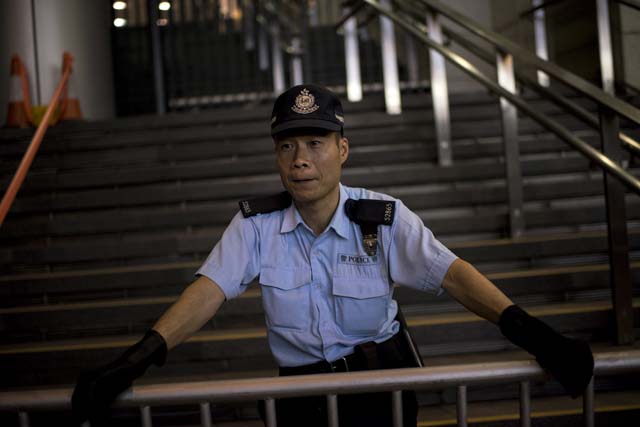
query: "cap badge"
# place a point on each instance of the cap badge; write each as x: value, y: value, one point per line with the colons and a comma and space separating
x: 305, y: 103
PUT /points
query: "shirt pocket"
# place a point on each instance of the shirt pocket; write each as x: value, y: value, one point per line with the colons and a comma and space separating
x: 286, y: 297
x: 360, y: 304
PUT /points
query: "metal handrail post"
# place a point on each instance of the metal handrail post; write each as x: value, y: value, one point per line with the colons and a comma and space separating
x: 412, y: 59
x: 611, y: 167
x: 587, y: 406
x: 396, y: 408
x: 389, y: 63
x: 605, y: 47
x: 276, y: 60
x: 628, y: 142
x: 23, y: 419
x: 205, y: 414
x: 526, y: 58
x: 270, y: 410
x: 439, y: 92
x: 461, y: 406
x: 525, y: 404
x: 156, y: 54
x: 249, y: 25
x: 332, y: 410
x: 618, y: 239
x: 620, y: 271
x: 540, y: 37
x: 507, y: 79
x: 352, y: 60
x: 145, y: 415
x: 296, y: 61
x: 263, y: 48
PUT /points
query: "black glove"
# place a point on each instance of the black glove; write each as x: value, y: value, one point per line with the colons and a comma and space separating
x: 570, y: 361
x: 96, y: 390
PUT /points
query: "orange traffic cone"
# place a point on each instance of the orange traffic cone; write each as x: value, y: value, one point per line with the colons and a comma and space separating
x: 69, y: 104
x: 19, y: 108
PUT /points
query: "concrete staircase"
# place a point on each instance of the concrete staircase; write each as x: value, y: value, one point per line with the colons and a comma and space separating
x: 115, y: 217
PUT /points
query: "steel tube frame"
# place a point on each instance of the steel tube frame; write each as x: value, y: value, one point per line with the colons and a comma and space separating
x: 23, y: 418
x: 296, y: 61
x: 249, y: 25
x: 145, y: 416
x: 332, y: 410
x: 276, y: 60
x: 263, y: 48
x: 431, y: 378
x: 389, y: 63
x: 507, y: 79
x: 205, y: 414
x: 628, y: 142
x: 525, y: 404
x: 605, y: 47
x: 420, y: 32
x: 461, y: 406
x: 439, y: 93
x: 413, y: 73
x: 396, y: 408
x: 634, y: 4
x: 620, y: 272
x: 156, y: 54
x: 588, y: 410
x: 540, y: 37
x: 352, y: 60
x: 526, y: 58
x: 270, y: 412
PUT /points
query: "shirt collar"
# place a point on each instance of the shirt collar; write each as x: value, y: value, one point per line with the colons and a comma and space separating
x: 340, y: 223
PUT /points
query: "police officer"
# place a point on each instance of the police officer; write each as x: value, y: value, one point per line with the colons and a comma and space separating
x: 327, y: 257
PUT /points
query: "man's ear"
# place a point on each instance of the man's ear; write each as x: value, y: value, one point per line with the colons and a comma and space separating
x: 343, y: 146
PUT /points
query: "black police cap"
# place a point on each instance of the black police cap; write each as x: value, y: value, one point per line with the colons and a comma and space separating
x: 307, y: 106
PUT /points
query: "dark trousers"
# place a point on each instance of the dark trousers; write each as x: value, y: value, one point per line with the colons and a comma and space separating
x: 354, y: 410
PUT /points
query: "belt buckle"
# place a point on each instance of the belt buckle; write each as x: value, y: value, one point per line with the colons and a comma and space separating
x: 344, y: 360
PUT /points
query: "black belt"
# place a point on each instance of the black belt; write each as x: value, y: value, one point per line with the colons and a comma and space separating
x: 387, y: 356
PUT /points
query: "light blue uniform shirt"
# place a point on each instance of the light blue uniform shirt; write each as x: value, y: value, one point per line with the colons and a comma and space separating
x: 323, y: 295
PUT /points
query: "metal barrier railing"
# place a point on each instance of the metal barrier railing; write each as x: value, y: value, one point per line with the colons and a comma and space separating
x: 394, y: 380
x: 34, y: 145
x: 507, y: 52
x: 630, y: 144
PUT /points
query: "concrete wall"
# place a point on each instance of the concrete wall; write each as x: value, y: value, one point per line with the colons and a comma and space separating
x: 16, y: 37
x: 41, y: 30
x: 630, y: 22
x: 480, y: 11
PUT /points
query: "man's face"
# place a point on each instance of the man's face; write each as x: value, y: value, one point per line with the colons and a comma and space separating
x: 310, y: 165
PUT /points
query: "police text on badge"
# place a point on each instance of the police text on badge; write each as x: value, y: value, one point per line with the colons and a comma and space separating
x: 357, y: 259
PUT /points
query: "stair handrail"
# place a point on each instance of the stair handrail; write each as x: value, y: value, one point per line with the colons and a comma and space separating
x: 634, y: 4
x: 523, y: 55
x: 419, y: 30
x: 627, y: 141
x: 269, y: 388
x: 34, y: 145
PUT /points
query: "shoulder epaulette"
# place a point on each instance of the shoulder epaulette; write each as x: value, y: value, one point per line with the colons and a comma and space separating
x: 262, y: 205
x: 368, y: 214
x: 378, y: 212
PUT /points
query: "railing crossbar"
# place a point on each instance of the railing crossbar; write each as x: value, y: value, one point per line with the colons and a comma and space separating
x: 527, y: 58
x: 590, y: 119
x: 429, y: 378
x: 394, y: 380
x: 593, y: 154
